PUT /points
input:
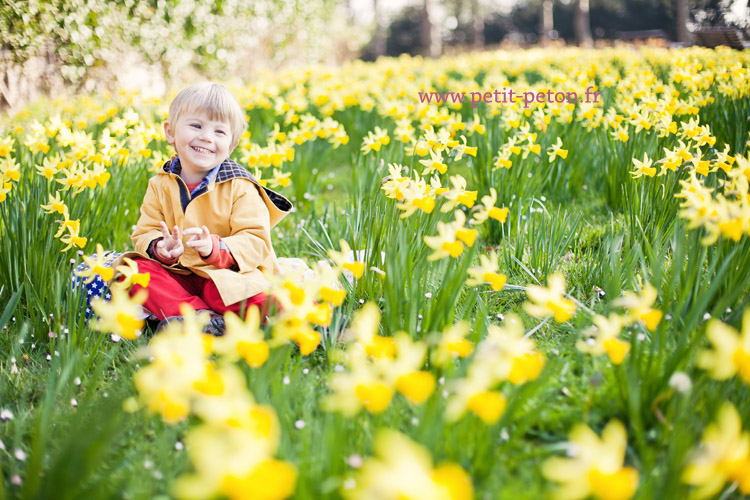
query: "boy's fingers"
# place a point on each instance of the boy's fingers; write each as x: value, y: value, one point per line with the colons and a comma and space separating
x: 164, y: 229
x: 176, y: 233
x: 206, y: 234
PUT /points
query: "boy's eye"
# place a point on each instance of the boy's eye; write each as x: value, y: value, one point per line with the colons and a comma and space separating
x: 220, y: 132
x: 195, y: 125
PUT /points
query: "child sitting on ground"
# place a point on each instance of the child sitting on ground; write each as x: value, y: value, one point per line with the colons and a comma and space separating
x: 225, y: 214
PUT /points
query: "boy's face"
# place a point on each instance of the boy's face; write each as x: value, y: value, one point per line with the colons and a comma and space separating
x: 201, y: 143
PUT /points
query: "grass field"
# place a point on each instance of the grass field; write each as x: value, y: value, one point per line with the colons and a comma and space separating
x: 543, y: 301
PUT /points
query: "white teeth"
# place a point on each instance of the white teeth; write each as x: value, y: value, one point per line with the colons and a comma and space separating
x: 201, y: 150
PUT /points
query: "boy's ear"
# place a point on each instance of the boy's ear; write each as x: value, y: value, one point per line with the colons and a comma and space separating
x: 236, y: 143
x: 168, y: 133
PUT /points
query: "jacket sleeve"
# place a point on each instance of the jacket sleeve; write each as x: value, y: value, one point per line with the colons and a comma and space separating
x: 147, y: 229
x: 250, y: 238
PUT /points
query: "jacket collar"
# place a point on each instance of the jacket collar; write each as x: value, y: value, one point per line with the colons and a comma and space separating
x: 230, y: 169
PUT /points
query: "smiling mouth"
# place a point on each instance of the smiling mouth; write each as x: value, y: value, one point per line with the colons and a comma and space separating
x: 201, y: 150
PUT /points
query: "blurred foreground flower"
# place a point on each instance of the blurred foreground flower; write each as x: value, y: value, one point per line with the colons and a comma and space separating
x: 639, y: 307
x: 723, y: 456
x: 504, y: 355
x: 122, y: 316
x: 179, y: 369
x: 378, y: 367
x: 236, y: 463
x: 731, y: 350
x: 403, y: 469
x: 603, y: 338
x: 550, y: 301
x: 242, y: 339
x: 595, y: 467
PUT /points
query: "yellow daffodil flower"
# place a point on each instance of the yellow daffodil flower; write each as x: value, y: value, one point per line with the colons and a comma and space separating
x: 550, y: 301
x: 403, y: 469
x: 730, y: 355
x: 723, y: 456
x: 596, y: 466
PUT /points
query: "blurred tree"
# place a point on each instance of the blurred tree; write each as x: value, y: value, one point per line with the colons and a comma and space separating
x: 683, y: 35
x: 477, y: 24
x: 583, y: 24
x: 546, y: 23
x: 429, y: 29
x: 379, y: 37
x: 85, y: 42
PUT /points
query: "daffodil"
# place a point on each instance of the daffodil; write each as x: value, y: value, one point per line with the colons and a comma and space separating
x: 730, y: 355
x: 556, y: 150
x: 509, y: 353
x: 639, y: 307
x: 458, y: 194
x: 475, y: 393
x: 453, y: 344
x: 131, y: 275
x: 6, y: 146
x: 363, y: 386
x: 486, y: 272
x: 290, y: 327
x: 344, y: 260
x: 242, y: 339
x: 5, y: 188
x: 179, y: 366
x: 122, y: 315
x: 723, y: 456
x: 488, y: 210
x: 375, y: 140
x: 643, y: 167
x: 235, y: 463
x: 595, y: 467
x: 403, y: 469
x: 56, y: 204
x: 621, y: 134
x: 72, y: 237
x: 603, y: 338
x: 451, y: 238
x: 550, y: 301
x: 504, y: 355
x: 97, y: 265
x: 9, y: 169
x: 435, y: 163
x: 364, y: 330
x: 49, y: 166
x: 279, y: 178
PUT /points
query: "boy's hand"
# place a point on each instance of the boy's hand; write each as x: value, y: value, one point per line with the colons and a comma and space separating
x: 201, y: 240
x: 170, y: 247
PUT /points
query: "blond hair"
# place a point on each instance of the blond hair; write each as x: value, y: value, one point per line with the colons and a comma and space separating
x: 214, y: 100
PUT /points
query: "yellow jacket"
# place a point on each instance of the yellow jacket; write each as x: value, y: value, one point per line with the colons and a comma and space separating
x: 235, y: 207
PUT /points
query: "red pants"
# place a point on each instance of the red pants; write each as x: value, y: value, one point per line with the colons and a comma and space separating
x: 167, y: 291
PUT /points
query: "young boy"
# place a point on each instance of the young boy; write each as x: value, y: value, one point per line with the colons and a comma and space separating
x: 204, y: 231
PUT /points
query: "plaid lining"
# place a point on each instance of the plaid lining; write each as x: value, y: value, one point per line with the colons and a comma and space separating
x: 230, y: 169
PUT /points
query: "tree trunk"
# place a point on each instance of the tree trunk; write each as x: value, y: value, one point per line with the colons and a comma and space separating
x: 683, y: 35
x: 378, y: 38
x: 430, y: 32
x: 582, y: 24
x: 546, y: 23
x: 477, y: 25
